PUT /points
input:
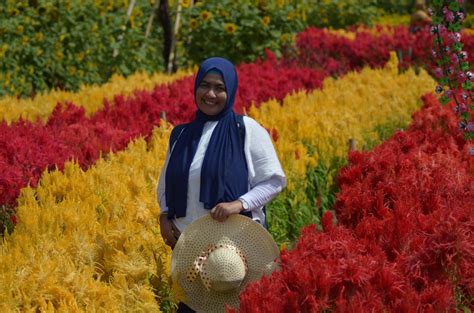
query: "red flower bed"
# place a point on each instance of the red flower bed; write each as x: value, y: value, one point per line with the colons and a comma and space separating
x: 318, y: 48
x: 405, y: 234
x: 27, y: 149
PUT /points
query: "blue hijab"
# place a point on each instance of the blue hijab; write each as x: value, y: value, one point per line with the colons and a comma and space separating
x: 224, y: 174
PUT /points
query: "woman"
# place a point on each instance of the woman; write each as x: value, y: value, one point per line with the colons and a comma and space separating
x: 208, y: 169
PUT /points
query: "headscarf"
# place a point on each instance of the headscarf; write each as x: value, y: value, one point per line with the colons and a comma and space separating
x: 224, y: 173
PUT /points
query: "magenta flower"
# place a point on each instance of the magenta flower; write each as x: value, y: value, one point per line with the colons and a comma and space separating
x: 449, y: 16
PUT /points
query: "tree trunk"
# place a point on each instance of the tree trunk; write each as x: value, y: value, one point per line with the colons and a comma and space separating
x: 165, y: 20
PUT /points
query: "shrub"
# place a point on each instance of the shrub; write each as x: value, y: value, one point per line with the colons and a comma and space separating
x: 66, y: 44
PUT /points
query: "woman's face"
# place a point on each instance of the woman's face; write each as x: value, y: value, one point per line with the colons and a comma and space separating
x: 211, y: 95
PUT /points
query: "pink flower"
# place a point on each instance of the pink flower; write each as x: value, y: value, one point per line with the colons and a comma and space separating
x: 449, y: 16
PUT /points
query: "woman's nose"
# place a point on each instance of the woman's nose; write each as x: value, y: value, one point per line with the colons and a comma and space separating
x: 211, y: 93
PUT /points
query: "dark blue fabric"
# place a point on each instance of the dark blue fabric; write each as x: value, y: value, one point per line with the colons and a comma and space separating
x: 224, y: 174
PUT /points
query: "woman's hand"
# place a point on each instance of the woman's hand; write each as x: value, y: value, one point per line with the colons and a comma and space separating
x: 169, y: 231
x: 225, y: 209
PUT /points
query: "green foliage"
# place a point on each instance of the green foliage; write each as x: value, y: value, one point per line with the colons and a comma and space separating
x: 396, y: 6
x: 237, y: 30
x: 292, y: 210
x: 7, y: 219
x: 242, y: 30
x: 342, y: 14
x: 71, y: 42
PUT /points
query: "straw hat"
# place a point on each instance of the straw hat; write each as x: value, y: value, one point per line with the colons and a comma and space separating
x: 213, y: 261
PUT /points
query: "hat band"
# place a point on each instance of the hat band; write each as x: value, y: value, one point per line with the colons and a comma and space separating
x: 199, y: 264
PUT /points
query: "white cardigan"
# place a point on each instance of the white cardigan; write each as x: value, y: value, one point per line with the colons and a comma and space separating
x: 266, y: 177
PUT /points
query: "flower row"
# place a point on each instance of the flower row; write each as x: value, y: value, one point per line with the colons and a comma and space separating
x: 355, y: 49
x: 91, y: 98
x: 363, y: 106
x: 90, y: 239
x: 27, y: 149
x: 404, y: 240
x: 334, y: 51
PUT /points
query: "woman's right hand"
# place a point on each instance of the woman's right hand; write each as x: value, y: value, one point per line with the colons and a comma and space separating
x: 169, y: 231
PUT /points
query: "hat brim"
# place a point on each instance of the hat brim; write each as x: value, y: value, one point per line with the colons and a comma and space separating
x: 254, y: 241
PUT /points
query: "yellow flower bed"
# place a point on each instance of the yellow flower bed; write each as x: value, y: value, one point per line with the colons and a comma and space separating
x: 90, y: 241
x: 351, y: 107
x: 351, y: 35
x: 89, y: 97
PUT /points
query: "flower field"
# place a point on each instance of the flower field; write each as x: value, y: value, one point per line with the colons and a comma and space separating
x: 388, y: 227
x: 404, y: 239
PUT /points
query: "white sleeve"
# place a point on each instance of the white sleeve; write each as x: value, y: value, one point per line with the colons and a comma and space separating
x: 266, y: 176
x: 263, y: 193
x: 160, y: 192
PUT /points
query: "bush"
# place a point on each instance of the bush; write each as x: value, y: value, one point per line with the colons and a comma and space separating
x: 342, y: 14
x: 64, y: 45
x: 237, y: 30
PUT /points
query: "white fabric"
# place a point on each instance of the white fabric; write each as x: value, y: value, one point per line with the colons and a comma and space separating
x: 266, y: 177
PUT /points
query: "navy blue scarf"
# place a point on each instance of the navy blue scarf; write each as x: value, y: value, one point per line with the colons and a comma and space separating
x: 224, y: 174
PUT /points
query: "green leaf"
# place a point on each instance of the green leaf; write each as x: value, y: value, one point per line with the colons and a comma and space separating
x: 457, y: 46
x: 437, y: 20
x: 468, y: 136
x: 443, y: 100
x: 464, y: 66
x: 454, y: 6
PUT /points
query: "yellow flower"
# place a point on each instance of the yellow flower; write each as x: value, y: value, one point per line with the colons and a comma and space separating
x: 25, y: 40
x: 230, y: 28
x: 266, y: 20
x: 72, y: 70
x: 80, y: 56
x: 291, y: 15
x: 185, y: 3
x: 206, y: 15
x: 20, y: 29
x: 39, y: 36
x: 284, y: 38
x: 31, y: 70
x: 59, y: 55
x: 193, y: 23
x: 3, y: 49
x: 224, y: 13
